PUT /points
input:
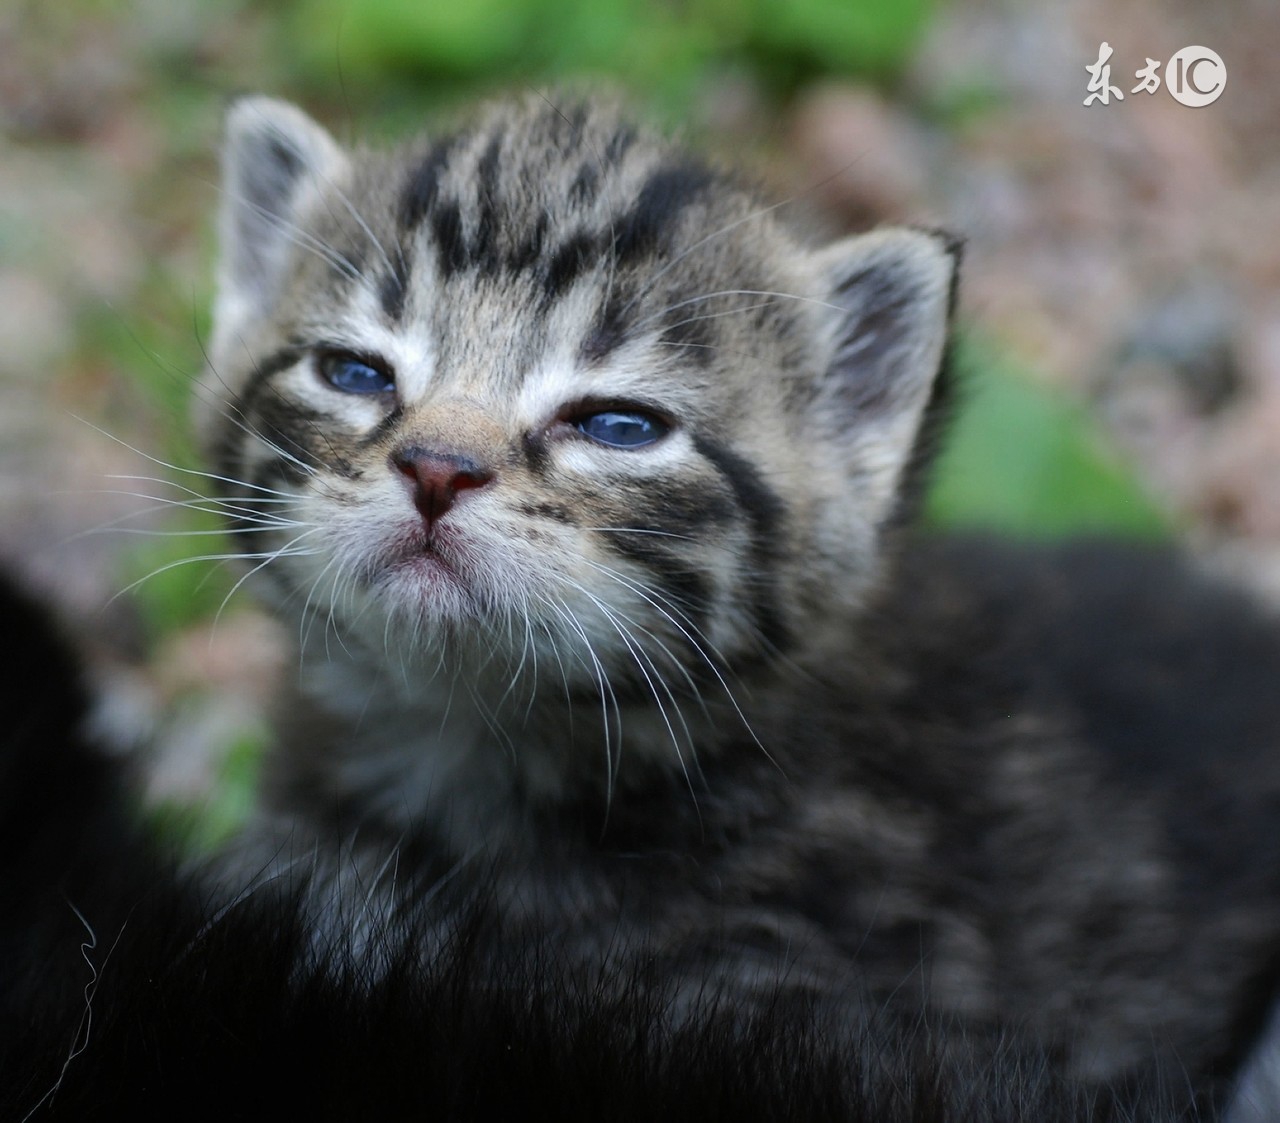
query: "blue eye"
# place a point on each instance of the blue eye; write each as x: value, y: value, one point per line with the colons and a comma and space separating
x: 621, y: 428
x: 354, y: 376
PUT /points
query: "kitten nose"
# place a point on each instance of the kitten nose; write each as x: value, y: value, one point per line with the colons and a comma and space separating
x: 437, y: 478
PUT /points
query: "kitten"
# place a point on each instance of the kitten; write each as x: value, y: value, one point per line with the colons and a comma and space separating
x: 586, y: 485
x: 588, y: 488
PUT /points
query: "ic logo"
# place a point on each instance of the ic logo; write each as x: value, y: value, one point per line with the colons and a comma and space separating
x: 1195, y: 76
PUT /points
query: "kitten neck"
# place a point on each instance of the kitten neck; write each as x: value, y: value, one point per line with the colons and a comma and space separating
x: 468, y: 754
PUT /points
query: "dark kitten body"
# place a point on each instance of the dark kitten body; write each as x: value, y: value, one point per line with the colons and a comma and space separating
x: 128, y: 992
x: 1031, y: 832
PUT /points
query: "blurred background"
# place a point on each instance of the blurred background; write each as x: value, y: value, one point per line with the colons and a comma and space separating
x: 1120, y: 312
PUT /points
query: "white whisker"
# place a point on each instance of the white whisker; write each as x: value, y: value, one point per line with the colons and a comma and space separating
x: 645, y: 320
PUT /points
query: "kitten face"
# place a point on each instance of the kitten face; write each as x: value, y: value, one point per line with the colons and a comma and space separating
x: 549, y: 402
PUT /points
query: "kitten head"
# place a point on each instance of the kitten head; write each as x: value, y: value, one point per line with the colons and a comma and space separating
x: 548, y: 397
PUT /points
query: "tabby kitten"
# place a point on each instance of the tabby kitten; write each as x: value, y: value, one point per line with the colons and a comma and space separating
x: 586, y: 486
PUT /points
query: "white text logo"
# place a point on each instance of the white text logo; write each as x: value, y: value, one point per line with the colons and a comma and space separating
x: 1195, y: 76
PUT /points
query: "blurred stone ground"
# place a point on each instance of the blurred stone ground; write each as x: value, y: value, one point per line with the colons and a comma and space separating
x: 1128, y: 254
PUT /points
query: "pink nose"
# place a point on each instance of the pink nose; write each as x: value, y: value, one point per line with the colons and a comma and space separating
x: 437, y: 478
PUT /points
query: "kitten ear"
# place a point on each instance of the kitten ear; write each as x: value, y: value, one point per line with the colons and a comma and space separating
x: 273, y: 156
x: 890, y: 294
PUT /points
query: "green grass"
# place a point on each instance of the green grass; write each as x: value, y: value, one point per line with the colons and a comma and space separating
x: 1025, y: 461
x: 661, y: 50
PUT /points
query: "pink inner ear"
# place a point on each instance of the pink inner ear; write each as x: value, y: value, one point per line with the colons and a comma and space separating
x: 893, y: 321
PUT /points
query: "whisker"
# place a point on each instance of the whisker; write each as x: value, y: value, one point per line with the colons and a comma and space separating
x: 738, y: 311
x: 284, y: 551
x: 245, y: 577
x: 176, y: 468
x: 641, y: 658
x: 644, y: 320
x: 649, y: 594
x: 159, y: 503
x: 639, y: 530
x: 607, y: 694
x: 294, y: 233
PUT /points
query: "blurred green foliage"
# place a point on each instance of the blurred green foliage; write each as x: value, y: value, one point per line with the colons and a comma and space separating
x: 200, y: 828
x: 176, y: 576
x: 663, y: 49
x: 1025, y: 461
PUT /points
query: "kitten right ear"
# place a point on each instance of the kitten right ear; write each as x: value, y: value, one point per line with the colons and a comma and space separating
x: 890, y: 293
x: 274, y: 155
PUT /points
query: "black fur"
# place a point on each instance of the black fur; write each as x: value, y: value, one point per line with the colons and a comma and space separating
x: 422, y: 188
x: 576, y: 254
x: 657, y: 209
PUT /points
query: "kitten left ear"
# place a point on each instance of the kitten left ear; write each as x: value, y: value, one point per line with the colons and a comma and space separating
x: 890, y: 295
x: 273, y: 157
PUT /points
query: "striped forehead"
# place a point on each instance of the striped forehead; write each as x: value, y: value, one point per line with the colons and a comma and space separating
x: 531, y: 206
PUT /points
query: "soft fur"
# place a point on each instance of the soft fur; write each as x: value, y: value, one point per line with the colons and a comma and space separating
x: 128, y: 993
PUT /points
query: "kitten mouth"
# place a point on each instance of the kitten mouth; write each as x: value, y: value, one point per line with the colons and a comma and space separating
x: 425, y: 552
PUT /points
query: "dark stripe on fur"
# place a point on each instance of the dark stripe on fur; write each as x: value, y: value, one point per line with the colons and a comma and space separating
x: 585, y: 184
x: 484, y: 251
x: 639, y: 233
x: 394, y: 287
x: 527, y: 252
x: 609, y: 331
x: 422, y: 187
x: 619, y: 144
x: 764, y: 511
x: 535, y: 453
x: 556, y: 512
x: 686, y: 508
x: 275, y: 472
x: 574, y: 257
x: 675, y: 581
x: 228, y: 450
x: 451, y: 248
x: 303, y: 433
x: 263, y: 371
x: 690, y: 331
